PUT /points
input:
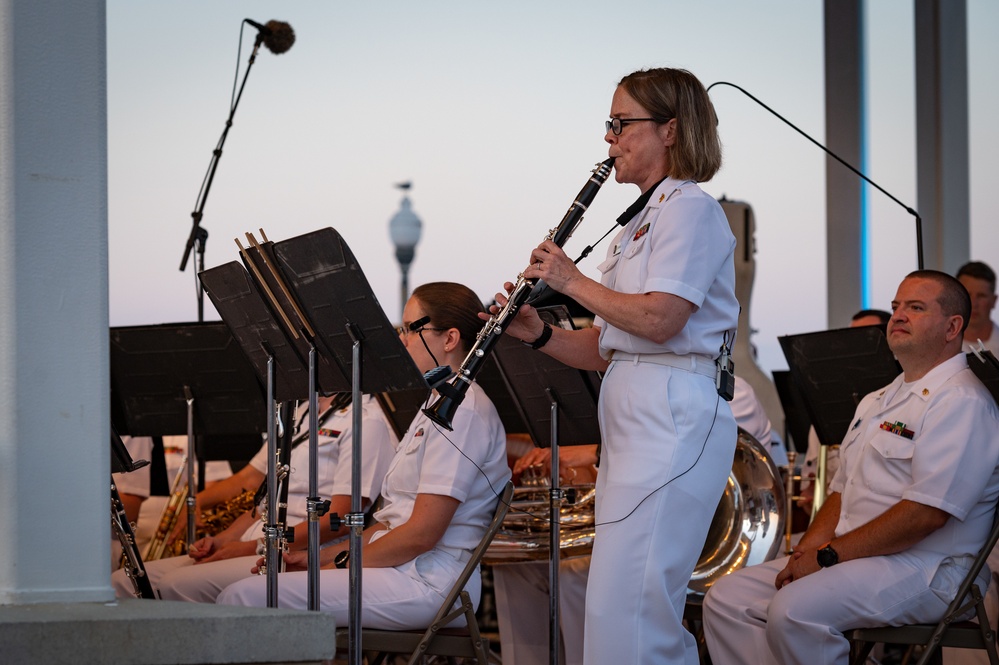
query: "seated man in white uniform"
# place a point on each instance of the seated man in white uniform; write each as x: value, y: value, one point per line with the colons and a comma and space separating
x: 214, y: 562
x: 909, y: 508
x: 522, y: 588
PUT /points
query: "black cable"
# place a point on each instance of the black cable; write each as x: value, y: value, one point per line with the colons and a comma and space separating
x: 549, y: 519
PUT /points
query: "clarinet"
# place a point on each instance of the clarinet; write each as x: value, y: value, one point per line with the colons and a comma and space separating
x: 453, y: 392
x: 132, y: 560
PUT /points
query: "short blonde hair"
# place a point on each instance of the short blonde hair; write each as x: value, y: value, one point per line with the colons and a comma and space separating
x: 676, y: 93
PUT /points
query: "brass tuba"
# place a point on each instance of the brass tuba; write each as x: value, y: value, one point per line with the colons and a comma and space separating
x: 747, y: 527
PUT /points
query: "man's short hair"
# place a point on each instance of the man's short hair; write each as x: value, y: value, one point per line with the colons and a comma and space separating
x: 883, y: 316
x: 979, y: 270
x: 954, y: 298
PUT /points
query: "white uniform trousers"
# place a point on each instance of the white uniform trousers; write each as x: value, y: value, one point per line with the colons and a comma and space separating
x: 178, y: 578
x: 401, y: 598
x: 668, y: 445
x: 522, y: 608
x: 746, y: 620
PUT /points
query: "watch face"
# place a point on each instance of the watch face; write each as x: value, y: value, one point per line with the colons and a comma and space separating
x: 827, y: 557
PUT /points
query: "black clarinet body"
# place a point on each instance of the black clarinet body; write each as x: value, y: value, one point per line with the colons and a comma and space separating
x: 453, y: 392
x: 131, y: 559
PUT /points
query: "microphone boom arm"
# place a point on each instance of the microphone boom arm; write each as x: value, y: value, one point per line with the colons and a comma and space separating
x: 197, y: 233
x: 919, y: 220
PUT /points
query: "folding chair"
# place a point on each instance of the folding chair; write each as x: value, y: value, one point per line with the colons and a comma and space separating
x: 437, y: 640
x: 947, y: 632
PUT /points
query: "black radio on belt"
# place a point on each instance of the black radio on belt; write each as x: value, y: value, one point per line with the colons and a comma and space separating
x: 725, y: 374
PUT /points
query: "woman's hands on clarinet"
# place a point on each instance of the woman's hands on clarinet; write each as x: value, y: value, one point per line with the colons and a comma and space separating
x: 550, y: 263
x: 526, y: 326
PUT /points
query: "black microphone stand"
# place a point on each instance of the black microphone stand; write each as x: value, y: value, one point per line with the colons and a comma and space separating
x: 199, y: 236
x: 919, y: 220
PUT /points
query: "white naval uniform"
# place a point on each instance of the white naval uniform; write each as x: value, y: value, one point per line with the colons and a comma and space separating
x: 667, y: 438
x: 178, y: 578
x: 522, y: 588
x: 468, y: 464
x: 945, y: 456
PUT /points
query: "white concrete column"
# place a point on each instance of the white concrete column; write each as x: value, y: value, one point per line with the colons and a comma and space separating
x: 844, y: 71
x: 54, y: 385
x: 942, y: 162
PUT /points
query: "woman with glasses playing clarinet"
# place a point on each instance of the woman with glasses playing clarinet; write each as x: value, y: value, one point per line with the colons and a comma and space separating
x: 665, y: 309
x: 439, y: 494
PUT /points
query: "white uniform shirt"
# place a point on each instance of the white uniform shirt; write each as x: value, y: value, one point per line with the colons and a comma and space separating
x: 468, y: 464
x: 680, y: 244
x: 943, y: 453
x: 335, y: 453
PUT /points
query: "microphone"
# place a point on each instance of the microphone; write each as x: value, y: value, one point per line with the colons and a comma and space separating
x: 277, y: 36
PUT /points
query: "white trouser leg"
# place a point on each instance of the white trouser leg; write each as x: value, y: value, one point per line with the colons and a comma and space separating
x: 522, y: 610
x: 804, y: 622
x: 668, y: 443
x: 203, y: 582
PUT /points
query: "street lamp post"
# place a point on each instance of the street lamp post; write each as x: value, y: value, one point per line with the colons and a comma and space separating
x: 404, y: 229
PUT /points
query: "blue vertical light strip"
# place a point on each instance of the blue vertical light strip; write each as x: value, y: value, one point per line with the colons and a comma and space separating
x: 865, y: 229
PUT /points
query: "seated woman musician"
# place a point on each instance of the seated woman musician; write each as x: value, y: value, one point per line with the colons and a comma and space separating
x: 439, y: 494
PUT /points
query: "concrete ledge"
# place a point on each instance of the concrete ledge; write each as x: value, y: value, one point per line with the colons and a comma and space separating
x: 161, y: 632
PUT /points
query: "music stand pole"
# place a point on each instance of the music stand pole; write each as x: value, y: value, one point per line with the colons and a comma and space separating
x: 199, y: 235
x: 555, y: 494
x: 314, y: 499
x: 191, y: 500
x: 272, y: 555
x: 355, y: 519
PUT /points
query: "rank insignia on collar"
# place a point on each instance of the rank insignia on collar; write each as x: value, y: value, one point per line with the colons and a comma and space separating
x: 662, y: 197
x: 419, y: 433
x: 899, y: 428
x: 329, y: 432
x: 642, y: 231
x: 925, y: 392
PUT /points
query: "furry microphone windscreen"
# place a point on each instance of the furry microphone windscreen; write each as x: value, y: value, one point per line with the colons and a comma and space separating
x: 279, y: 37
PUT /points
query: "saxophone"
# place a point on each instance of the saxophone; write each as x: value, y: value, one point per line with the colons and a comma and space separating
x: 213, y: 521
x: 452, y: 393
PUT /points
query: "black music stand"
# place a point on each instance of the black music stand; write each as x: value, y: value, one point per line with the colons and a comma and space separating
x: 986, y: 368
x: 254, y: 322
x: 353, y: 331
x: 260, y: 263
x: 150, y: 367
x: 121, y: 459
x: 796, y: 418
x: 558, y: 405
x: 834, y: 369
x: 156, y: 373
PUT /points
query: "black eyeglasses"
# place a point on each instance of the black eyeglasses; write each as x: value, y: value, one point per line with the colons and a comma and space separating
x: 417, y: 327
x: 617, y: 125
